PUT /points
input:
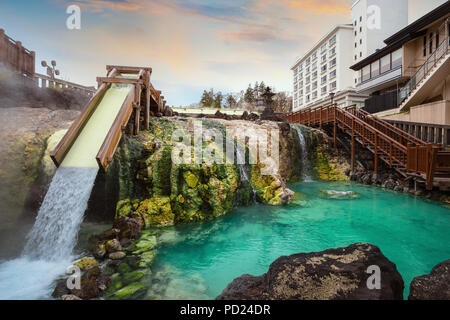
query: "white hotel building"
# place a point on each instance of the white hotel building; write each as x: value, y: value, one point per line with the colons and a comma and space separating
x: 325, y: 69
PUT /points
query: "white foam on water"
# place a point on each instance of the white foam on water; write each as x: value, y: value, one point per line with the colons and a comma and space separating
x: 29, y: 279
x: 50, y: 243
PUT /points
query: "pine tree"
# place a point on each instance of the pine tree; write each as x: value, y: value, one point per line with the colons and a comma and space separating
x: 249, y: 95
x: 231, y: 101
x: 218, y: 100
x: 207, y: 99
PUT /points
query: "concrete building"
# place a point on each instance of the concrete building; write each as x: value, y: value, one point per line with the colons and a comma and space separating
x: 408, y: 80
x: 373, y: 21
x: 324, y: 69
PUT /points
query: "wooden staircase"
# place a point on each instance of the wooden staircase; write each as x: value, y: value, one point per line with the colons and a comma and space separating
x: 404, y: 153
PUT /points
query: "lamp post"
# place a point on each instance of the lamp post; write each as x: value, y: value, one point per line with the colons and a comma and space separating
x: 51, y: 70
x: 332, y: 94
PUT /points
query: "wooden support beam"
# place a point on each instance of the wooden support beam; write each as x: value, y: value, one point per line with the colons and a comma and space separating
x: 353, y: 145
x: 119, y: 80
x: 127, y: 69
x: 147, y: 101
x: 334, y: 126
x: 375, y: 160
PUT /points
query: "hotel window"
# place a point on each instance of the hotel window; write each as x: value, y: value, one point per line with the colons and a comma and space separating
x: 333, y: 51
x: 323, y: 79
x: 314, y: 95
x: 323, y: 48
x: 308, y: 98
x: 385, y: 63
x: 308, y: 61
x: 308, y: 79
x: 333, y: 85
x: 308, y: 69
x: 300, y: 84
x: 314, y: 65
x: 295, y: 88
x: 314, y: 56
x: 360, y: 41
x: 332, y: 40
x: 323, y: 68
x: 324, y: 90
x: 324, y: 58
x: 308, y: 89
x: 366, y: 73
x: 300, y: 93
x: 300, y: 75
x: 375, y: 69
x: 333, y: 62
x: 397, y: 59
x: 314, y: 85
x: 333, y: 74
x: 314, y: 75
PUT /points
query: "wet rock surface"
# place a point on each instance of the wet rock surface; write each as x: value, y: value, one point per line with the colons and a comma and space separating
x: 334, y: 274
x: 433, y: 286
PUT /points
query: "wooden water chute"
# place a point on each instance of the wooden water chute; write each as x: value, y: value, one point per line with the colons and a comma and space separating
x: 139, y: 101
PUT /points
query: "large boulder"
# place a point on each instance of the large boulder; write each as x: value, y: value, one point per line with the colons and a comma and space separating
x: 333, y: 274
x: 433, y: 286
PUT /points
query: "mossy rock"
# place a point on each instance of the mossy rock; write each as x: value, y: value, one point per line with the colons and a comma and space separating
x: 147, y: 259
x: 86, y: 263
x: 124, y: 268
x: 156, y: 211
x: 131, y: 291
x: 134, y: 276
x: 325, y: 170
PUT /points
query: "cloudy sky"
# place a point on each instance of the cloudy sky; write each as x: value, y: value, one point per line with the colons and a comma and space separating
x: 190, y: 44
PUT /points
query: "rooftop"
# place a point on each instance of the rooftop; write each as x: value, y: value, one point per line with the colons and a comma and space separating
x: 317, y: 45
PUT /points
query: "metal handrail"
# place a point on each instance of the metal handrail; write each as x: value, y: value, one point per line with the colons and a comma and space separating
x: 429, y: 64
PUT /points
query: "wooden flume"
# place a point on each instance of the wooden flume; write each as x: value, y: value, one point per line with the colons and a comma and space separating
x: 142, y: 98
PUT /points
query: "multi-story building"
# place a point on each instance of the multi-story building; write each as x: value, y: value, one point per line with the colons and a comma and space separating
x: 373, y: 21
x: 408, y: 80
x: 324, y: 69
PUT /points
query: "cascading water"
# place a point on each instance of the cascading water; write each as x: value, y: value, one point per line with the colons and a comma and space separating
x: 48, y: 251
x: 55, y: 231
x: 305, y: 163
x: 243, y: 169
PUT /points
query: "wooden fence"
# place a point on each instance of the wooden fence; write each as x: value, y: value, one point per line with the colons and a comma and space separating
x: 14, y: 56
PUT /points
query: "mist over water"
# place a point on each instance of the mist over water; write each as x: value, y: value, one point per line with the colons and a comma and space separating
x: 50, y: 243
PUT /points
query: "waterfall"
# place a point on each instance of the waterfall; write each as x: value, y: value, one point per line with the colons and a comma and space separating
x: 48, y: 251
x: 243, y: 169
x: 55, y: 231
x: 305, y: 163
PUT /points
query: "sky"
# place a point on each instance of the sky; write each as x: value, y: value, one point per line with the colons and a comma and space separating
x: 191, y: 45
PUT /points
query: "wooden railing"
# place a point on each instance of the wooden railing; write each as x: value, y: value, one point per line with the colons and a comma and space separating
x: 14, y: 56
x: 398, y: 149
x: 44, y: 81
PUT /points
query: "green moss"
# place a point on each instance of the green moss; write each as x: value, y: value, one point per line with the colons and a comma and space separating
x: 156, y: 211
x: 134, y: 276
x: 130, y: 291
x: 325, y: 170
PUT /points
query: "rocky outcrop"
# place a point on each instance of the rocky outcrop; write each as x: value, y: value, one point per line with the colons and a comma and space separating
x: 334, y: 274
x: 433, y: 286
x: 159, y: 192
